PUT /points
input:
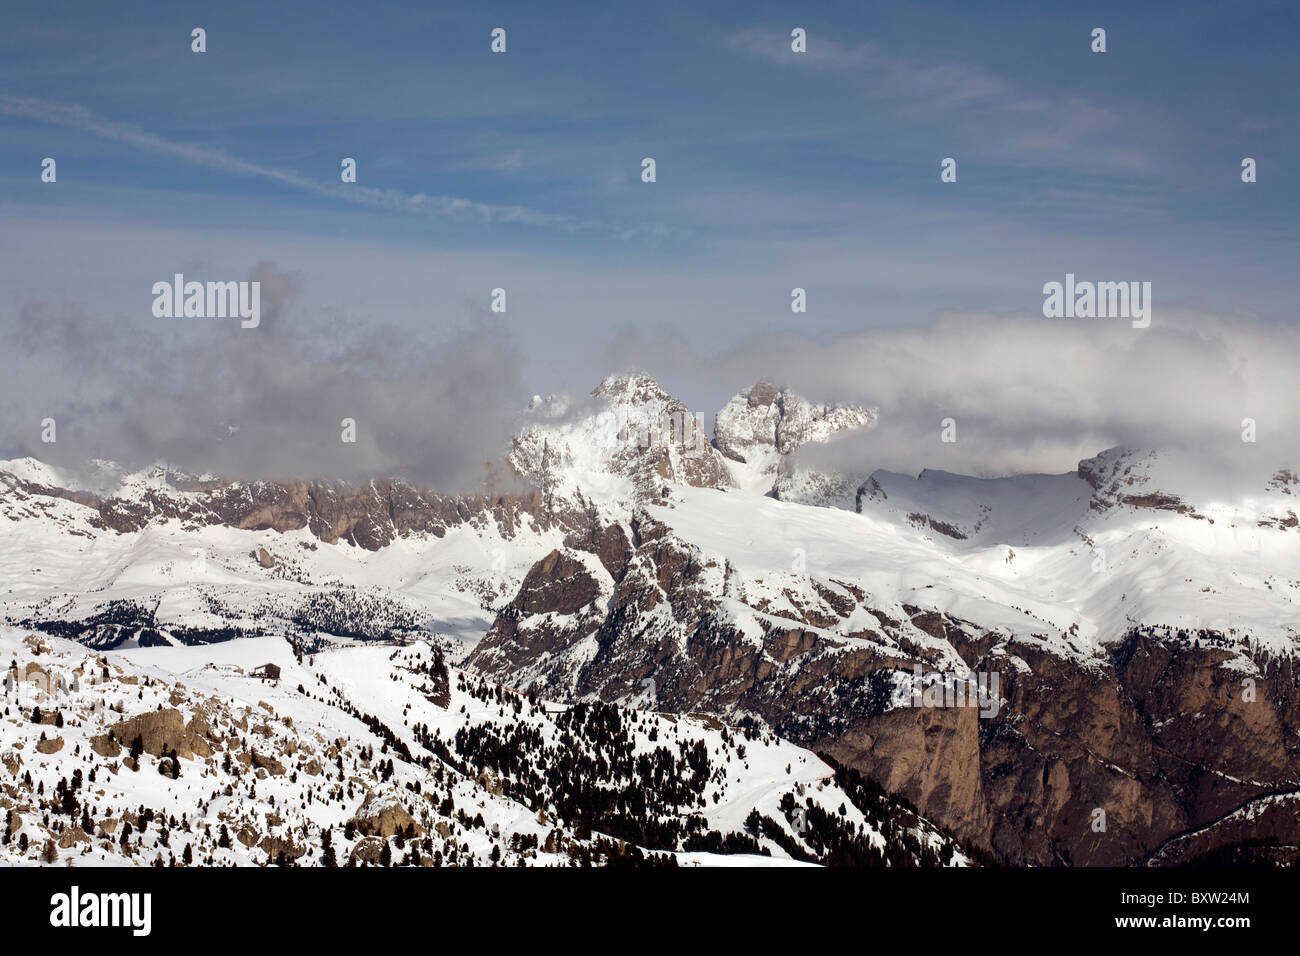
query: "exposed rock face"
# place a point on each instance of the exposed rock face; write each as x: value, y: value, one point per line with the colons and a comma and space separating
x: 558, y: 583
x: 369, y: 515
x: 269, y: 764
x: 368, y: 851
x: 490, y: 782
x: 161, y: 732
x: 12, y: 762
x: 1124, y: 477
x: 273, y: 846
x: 1263, y: 830
x: 72, y: 836
x: 765, y: 417
x: 1155, y: 732
x: 558, y: 605
x: 663, y: 440
x: 105, y: 747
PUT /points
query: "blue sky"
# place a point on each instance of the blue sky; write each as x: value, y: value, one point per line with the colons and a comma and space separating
x: 775, y: 170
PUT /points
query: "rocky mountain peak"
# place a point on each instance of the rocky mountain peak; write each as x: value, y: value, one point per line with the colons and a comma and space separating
x: 767, y: 417
x: 634, y: 388
x: 762, y: 393
x: 635, y: 433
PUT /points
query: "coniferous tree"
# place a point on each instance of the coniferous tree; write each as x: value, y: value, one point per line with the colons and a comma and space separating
x: 327, y: 843
x: 68, y: 803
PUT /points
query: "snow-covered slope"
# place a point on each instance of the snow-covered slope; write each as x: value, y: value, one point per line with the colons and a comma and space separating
x: 248, y: 753
x: 175, y: 579
x: 1133, y: 537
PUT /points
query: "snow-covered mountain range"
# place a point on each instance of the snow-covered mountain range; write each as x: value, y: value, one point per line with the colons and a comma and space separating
x: 1141, y: 620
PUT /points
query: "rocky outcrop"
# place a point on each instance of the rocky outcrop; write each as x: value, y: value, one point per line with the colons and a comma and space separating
x: 269, y: 764
x: 12, y: 761
x: 161, y: 732
x: 105, y: 746
x: 368, y: 851
x: 556, y: 584
x: 383, y: 814
x: 72, y: 836
x: 1123, y: 477
x: 274, y: 846
x: 558, y: 604
x: 1263, y: 831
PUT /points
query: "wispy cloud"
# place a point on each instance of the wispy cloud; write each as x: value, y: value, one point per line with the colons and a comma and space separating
x: 1009, y: 119
x: 394, y: 200
x: 823, y: 53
